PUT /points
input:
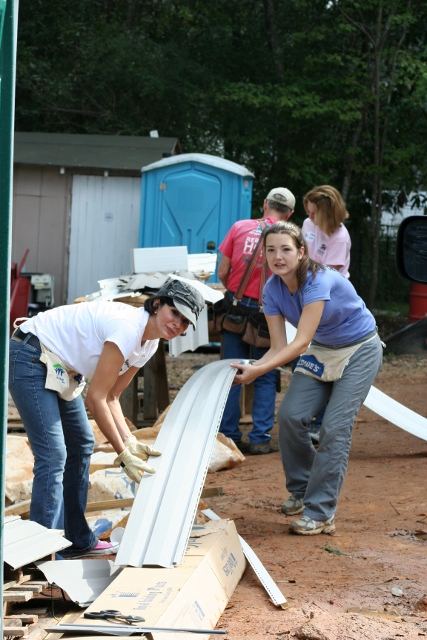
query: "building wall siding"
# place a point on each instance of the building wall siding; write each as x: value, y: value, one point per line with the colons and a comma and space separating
x: 40, y: 223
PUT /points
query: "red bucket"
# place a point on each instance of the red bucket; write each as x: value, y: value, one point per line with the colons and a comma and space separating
x: 417, y: 302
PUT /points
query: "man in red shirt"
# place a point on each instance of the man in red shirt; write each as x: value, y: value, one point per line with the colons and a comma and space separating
x: 237, y: 249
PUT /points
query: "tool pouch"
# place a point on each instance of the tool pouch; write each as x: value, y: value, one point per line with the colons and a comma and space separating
x: 67, y: 384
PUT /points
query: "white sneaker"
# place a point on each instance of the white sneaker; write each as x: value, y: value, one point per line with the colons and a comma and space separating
x: 306, y: 526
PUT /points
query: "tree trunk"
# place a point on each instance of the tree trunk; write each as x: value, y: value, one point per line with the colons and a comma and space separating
x: 131, y: 14
x: 273, y: 40
x: 349, y: 160
x: 377, y: 186
x: 279, y: 162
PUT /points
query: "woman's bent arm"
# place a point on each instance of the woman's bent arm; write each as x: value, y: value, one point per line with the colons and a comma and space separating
x: 102, y: 399
x: 280, y: 352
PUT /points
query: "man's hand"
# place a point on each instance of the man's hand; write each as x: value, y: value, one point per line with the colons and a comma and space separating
x: 132, y: 465
x: 142, y: 451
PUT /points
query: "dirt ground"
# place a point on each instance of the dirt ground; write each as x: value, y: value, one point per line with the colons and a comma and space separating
x: 369, y: 579
x: 366, y: 581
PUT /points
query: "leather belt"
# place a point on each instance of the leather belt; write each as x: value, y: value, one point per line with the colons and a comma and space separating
x: 19, y: 336
x: 245, y: 299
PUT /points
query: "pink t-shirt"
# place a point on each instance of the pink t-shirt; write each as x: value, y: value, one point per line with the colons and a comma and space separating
x: 333, y: 250
x: 239, y: 245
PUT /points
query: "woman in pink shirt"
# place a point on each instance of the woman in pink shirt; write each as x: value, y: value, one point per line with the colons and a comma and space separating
x: 329, y: 243
x: 327, y: 238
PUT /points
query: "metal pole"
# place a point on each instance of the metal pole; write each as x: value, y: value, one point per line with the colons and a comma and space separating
x: 8, y: 37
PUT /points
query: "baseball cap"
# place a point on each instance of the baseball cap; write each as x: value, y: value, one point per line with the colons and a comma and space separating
x: 281, y: 195
x: 187, y: 299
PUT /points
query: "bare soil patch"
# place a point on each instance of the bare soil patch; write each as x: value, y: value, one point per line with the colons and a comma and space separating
x: 340, y: 586
x: 343, y: 586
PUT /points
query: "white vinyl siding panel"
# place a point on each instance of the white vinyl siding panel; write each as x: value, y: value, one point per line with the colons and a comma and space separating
x: 163, y: 512
x: 26, y: 541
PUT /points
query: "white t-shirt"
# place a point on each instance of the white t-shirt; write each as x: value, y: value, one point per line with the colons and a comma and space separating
x: 333, y: 250
x: 77, y: 334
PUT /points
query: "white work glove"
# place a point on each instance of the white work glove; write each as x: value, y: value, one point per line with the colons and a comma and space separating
x: 141, y: 451
x: 132, y: 465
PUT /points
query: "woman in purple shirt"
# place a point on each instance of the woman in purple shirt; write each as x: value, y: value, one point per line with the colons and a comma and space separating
x: 340, y: 356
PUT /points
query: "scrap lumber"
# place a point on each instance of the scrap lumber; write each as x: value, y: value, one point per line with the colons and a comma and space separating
x: 14, y: 628
x: 28, y: 618
x: 19, y: 509
x: 23, y: 508
x: 34, y: 586
x: 211, y: 492
x: 104, y: 505
x: 10, y: 595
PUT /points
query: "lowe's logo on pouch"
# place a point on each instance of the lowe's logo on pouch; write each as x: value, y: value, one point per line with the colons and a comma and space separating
x: 59, y: 373
x: 311, y: 364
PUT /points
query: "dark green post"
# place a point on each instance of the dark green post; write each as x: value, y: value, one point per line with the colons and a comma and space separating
x: 8, y: 22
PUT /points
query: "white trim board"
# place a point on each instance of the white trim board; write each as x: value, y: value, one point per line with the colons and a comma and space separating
x: 396, y: 413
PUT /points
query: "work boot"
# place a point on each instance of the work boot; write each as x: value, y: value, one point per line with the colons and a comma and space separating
x: 243, y: 446
x: 260, y: 449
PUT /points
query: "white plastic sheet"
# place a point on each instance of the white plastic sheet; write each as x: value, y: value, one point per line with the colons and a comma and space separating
x: 385, y: 406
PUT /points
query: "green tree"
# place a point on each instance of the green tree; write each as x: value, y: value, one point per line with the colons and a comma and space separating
x: 302, y: 92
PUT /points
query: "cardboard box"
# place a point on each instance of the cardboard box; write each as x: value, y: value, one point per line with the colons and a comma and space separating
x: 193, y: 595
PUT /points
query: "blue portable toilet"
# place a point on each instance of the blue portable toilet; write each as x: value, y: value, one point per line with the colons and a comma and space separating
x: 192, y: 199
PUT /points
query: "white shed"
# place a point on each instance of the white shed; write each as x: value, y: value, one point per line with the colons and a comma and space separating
x: 76, y: 205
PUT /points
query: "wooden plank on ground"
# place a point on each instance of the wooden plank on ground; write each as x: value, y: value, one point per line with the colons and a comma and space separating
x: 28, y: 618
x: 43, y: 583
x: 14, y: 629
x: 125, y: 503
x: 34, y: 588
x: 16, y: 429
x: 104, y: 505
x: 210, y: 492
x: 68, y: 618
x: 17, y: 596
x: 19, y: 509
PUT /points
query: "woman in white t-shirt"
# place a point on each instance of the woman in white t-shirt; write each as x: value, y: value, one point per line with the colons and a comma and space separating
x: 49, y: 357
x: 327, y: 238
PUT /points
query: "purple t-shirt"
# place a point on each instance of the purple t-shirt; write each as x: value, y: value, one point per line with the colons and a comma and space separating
x: 345, y: 317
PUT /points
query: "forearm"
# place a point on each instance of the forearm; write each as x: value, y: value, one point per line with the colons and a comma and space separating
x: 223, y: 277
x: 280, y: 351
x: 224, y: 270
x: 119, y: 419
x: 103, y: 416
x: 279, y: 356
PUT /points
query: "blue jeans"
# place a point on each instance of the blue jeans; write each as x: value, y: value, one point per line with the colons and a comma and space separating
x: 263, y: 406
x: 62, y: 443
